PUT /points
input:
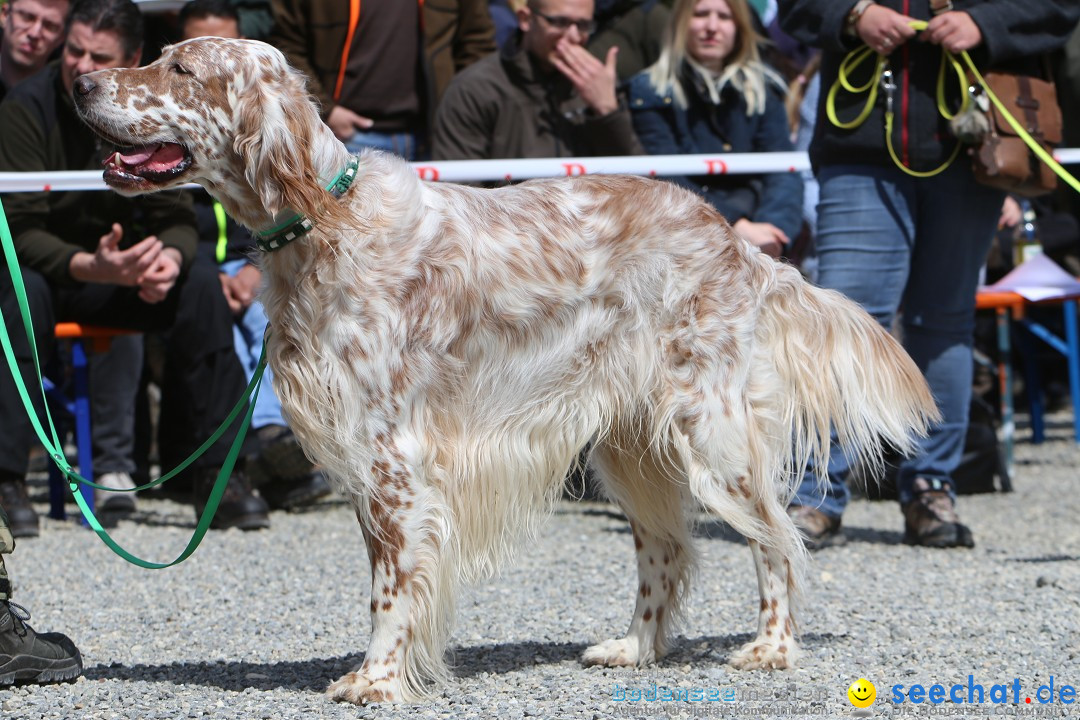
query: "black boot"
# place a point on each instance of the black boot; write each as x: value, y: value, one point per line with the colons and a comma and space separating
x: 26, y: 657
x: 22, y: 519
x: 239, y: 508
x: 285, y: 477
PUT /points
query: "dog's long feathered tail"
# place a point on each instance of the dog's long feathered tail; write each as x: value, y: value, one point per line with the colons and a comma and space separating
x: 840, y: 371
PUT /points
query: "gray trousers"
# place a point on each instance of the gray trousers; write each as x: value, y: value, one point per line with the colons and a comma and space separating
x: 114, y: 382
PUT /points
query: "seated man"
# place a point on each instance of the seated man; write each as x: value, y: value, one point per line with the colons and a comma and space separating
x: 284, y: 476
x: 83, y: 261
x: 542, y: 95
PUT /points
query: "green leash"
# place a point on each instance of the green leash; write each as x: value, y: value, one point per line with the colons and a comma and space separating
x: 55, y: 449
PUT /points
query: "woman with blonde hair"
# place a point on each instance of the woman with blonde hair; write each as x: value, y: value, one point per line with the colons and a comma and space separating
x: 710, y: 92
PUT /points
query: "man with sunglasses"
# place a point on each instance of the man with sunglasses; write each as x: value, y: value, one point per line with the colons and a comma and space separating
x: 30, y: 31
x: 543, y: 95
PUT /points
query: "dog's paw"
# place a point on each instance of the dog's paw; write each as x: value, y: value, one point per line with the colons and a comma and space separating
x: 357, y: 689
x: 762, y: 655
x: 624, y: 652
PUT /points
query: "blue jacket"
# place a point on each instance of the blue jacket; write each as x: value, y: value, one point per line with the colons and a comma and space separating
x: 703, y: 127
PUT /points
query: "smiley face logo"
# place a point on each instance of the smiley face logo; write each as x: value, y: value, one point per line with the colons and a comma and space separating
x: 862, y: 693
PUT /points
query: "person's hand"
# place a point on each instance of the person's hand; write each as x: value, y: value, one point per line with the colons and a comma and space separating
x: 955, y: 31
x: 344, y: 122
x: 884, y: 29
x: 593, y: 80
x: 160, y: 278
x: 241, y: 289
x: 235, y: 306
x: 246, y: 284
x: 109, y: 264
x: 765, y: 236
x: 1011, y: 213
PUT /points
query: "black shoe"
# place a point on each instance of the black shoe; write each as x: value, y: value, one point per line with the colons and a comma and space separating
x: 284, y: 475
x: 22, y: 519
x: 280, y: 456
x: 26, y: 657
x: 239, y: 507
x: 295, y: 494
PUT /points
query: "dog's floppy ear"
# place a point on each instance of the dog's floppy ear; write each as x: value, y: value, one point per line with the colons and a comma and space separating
x: 275, y: 129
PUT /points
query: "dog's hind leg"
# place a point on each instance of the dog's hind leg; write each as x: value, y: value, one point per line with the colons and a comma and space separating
x: 752, y: 504
x: 774, y: 647
x: 649, y: 491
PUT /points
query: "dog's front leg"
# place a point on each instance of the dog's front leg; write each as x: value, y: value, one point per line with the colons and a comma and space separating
x: 408, y: 609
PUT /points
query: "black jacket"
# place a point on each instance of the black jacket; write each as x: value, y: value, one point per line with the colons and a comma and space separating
x: 1015, y: 35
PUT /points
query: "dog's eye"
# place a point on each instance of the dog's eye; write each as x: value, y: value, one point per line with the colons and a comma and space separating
x: 180, y: 69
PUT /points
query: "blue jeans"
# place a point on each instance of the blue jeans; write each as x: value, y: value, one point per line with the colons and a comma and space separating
x: 890, y: 242
x: 248, y: 330
x: 407, y: 145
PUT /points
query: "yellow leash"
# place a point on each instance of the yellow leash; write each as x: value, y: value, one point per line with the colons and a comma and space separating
x: 850, y: 63
x: 890, y: 88
x: 882, y: 76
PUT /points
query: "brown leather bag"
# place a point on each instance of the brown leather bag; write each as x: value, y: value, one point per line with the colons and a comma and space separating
x: 1003, y: 160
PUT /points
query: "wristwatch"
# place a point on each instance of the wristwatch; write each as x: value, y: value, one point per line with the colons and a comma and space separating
x: 852, y: 20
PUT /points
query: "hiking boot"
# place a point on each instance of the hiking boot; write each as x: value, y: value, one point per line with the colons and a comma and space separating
x: 22, y: 519
x: 27, y: 657
x: 239, y: 508
x: 818, y: 529
x: 930, y: 519
x: 297, y: 493
x: 113, y: 502
x: 284, y: 475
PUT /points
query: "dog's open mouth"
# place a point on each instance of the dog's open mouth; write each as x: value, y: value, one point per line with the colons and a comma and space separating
x: 156, y: 163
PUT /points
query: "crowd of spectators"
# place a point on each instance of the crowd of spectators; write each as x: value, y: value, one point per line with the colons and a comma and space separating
x: 469, y: 79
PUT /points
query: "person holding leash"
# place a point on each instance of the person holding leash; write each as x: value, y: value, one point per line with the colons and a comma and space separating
x: 912, y: 232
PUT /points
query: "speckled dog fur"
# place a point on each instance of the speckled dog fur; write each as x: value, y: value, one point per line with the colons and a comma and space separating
x: 445, y: 352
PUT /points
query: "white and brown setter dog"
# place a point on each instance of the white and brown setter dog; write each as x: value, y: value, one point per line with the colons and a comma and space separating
x: 445, y: 352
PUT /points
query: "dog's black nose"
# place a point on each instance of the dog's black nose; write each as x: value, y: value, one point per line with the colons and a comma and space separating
x: 84, y: 85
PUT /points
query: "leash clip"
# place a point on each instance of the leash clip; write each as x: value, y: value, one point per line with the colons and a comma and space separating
x: 889, y: 87
x: 979, y: 97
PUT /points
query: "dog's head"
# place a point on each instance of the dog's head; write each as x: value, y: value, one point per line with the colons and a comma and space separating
x: 230, y: 115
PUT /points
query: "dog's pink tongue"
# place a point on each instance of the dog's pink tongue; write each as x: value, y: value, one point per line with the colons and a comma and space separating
x: 166, y: 156
x: 138, y: 155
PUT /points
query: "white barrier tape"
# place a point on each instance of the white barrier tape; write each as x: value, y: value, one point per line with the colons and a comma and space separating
x: 520, y: 169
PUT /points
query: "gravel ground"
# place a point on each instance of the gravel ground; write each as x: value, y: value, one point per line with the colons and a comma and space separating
x: 255, y: 625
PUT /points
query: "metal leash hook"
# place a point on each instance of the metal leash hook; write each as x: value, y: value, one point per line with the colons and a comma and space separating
x: 889, y: 86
